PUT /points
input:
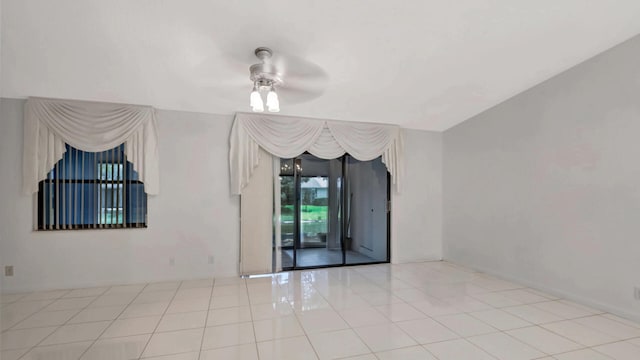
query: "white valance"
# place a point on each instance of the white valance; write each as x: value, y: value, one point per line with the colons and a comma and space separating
x: 288, y: 137
x: 88, y: 126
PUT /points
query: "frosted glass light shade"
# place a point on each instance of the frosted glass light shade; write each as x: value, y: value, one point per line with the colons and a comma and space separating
x: 272, y: 101
x: 256, y: 101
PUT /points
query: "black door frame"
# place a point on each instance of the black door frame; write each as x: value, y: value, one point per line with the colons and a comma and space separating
x: 343, y: 219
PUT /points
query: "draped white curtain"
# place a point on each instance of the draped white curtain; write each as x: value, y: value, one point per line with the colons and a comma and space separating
x: 288, y: 137
x: 92, y: 127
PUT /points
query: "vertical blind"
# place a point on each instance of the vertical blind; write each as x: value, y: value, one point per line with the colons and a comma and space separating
x: 92, y: 190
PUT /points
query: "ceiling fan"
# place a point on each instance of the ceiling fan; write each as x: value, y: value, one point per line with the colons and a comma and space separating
x: 293, y: 79
x: 277, y: 78
x: 265, y: 78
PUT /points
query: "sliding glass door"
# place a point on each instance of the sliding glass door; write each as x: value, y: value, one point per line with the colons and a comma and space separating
x: 310, y: 226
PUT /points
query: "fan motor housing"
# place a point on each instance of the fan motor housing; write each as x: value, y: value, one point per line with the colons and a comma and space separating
x: 264, y: 74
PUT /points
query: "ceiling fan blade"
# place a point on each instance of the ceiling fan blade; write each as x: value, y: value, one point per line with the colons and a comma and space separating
x: 298, y: 95
x: 292, y: 67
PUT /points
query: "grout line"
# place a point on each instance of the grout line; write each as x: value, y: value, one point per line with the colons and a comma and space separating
x: 58, y: 327
x: 206, y: 319
x: 159, y: 321
x: 112, y: 321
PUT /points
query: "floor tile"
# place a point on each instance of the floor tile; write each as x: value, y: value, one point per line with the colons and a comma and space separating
x: 182, y: 321
x: 524, y: 296
x: 45, y: 295
x: 544, y: 340
x: 308, y: 304
x: 97, y: 314
x: 174, y: 342
x: 46, y: 318
x: 500, y: 319
x: 384, y: 337
x: 271, y: 310
x: 321, y: 320
x: 505, y: 347
x: 58, y: 352
x: 196, y: 283
x: 358, y: 317
x: 96, y: 291
x: 239, y: 352
x: 297, y: 348
x: 610, y: 327
x: 468, y: 304
x: 154, y: 297
x: 361, y: 357
x: 435, y: 307
x: 70, y: 304
x: 188, y: 305
x: 400, y: 312
x: 113, y: 300
x: 496, y: 299
x: 228, y: 335
x: 125, y: 289
x: 465, y: 325
x: 412, y: 295
x: 584, y: 354
x: 282, y: 327
x: 381, y: 298
x: 122, y: 348
x: 184, y: 356
x: 622, y: 320
x: 229, y: 315
x: 231, y: 289
x: 620, y: 350
x: 76, y: 332
x: 194, y: 293
x: 12, y: 354
x: 426, y: 331
x: 133, y: 326
x: 562, y: 310
x: 457, y: 350
x: 168, y: 285
x: 142, y: 310
x: 219, y: 302
x: 337, y: 344
x: 25, y: 338
x: 579, y: 333
x: 532, y: 314
x: 408, y: 353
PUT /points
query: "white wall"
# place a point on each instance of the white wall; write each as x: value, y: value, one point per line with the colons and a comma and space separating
x: 416, y: 212
x: 193, y: 217
x: 545, y: 188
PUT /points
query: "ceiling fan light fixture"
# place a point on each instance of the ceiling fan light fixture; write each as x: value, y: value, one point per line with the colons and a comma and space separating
x: 273, y: 104
x: 265, y: 78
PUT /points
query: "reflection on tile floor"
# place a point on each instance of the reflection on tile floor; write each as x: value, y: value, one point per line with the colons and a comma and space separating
x: 431, y: 310
x: 311, y: 257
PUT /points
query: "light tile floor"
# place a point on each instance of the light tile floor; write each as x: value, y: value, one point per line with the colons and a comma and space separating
x: 432, y: 310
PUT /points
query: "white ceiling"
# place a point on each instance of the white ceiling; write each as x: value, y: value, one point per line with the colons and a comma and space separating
x: 424, y: 64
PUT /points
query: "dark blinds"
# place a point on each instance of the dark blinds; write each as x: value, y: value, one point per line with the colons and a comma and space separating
x: 92, y: 190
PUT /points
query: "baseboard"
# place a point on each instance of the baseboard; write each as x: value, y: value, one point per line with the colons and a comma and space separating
x: 555, y: 292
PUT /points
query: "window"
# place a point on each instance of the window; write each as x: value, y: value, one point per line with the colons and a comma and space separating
x: 92, y: 190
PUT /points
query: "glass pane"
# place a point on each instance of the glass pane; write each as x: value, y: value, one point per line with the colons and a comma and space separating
x: 314, y: 211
